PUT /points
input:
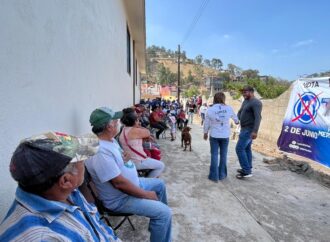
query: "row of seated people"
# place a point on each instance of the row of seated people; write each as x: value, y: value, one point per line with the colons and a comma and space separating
x: 49, y: 168
x: 157, y: 118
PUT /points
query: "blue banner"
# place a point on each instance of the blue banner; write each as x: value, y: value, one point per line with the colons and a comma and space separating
x: 306, y: 126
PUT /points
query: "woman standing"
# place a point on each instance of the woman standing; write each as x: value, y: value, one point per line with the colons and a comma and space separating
x: 131, y: 139
x: 217, y: 124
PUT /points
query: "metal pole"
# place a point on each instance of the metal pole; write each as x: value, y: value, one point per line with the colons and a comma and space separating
x: 179, y: 73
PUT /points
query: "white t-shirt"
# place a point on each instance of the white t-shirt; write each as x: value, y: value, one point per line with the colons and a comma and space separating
x: 217, y: 120
x: 203, y: 109
x: 106, y: 165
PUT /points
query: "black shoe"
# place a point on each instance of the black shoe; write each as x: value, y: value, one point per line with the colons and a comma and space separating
x: 242, y: 176
x: 241, y: 171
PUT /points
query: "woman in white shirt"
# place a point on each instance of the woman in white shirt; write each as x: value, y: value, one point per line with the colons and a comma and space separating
x: 217, y: 125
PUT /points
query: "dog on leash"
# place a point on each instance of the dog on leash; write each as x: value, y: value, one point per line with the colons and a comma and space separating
x: 186, y: 138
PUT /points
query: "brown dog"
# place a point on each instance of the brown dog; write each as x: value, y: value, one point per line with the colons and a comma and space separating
x: 186, y: 138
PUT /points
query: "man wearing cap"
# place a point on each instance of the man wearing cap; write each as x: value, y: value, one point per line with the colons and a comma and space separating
x: 48, y: 207
x: 117, y: 182
x: 250, y: 118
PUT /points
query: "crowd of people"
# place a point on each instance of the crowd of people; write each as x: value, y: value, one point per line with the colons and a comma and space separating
x: 49, y: 168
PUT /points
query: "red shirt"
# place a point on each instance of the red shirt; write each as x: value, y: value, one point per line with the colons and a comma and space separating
x: 182, y: 115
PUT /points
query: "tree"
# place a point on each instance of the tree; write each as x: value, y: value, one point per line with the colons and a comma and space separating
x: 216, y: 63
x: 199, y: 72
x: 199, y: 59
x: 192, y: 91
x: 190, y: 78
x: 183, y: 57
x: 225, y: 76
x: 165, y: 76
x: 234, y: 70
x: 207, y: 62
x: 248, y: 74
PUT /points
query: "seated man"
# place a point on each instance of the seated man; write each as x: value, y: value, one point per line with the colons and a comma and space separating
x: 156, y: 121
x: 48, y: 207
x: 117, y: 181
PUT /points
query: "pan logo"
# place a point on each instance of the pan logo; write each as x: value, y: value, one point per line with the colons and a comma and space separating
x: 305, y: 109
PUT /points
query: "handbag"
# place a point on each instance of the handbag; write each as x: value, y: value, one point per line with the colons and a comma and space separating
x: 152, y: 153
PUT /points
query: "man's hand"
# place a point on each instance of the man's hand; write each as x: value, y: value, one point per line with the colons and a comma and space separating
x: 205, y: 136
x: 151, y: 195
x: 254, y: 135
x: 126, y: 156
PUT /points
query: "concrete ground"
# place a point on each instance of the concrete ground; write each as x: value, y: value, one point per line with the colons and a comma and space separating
x: 274, y: 205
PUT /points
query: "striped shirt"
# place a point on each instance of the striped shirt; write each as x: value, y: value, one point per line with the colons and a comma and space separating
x: 34, y: 218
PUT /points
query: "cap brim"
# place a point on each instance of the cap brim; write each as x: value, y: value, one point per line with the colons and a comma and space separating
x: 118, y: 115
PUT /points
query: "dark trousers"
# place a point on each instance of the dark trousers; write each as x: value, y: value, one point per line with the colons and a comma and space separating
x: 182, y: 123
x: 161, y: 126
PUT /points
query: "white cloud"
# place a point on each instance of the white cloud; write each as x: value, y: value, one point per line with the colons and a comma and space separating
x: 303, y: 43
x: 226, y: 36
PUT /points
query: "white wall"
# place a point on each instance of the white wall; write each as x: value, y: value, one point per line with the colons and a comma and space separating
x: 59, y: 60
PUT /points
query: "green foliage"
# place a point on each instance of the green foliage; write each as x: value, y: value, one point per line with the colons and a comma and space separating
x: 199, y: 72
x: 207, y: 62
x: 199, y: 59
x: 224, y: 76
x: 165, y: 76
x: 234, y: 70
x: 216, y: 64
x: 268, y: 89
x: 190, y: 78
x: 250, y: 74
x: 192, y: 91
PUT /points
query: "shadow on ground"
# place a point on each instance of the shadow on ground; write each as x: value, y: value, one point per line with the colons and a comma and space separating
x: 273, y: 205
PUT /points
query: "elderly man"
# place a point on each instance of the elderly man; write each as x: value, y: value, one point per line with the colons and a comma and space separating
x: 48, y: 207
x: 117, y: 181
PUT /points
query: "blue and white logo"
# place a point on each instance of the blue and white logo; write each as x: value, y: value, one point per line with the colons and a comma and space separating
x: 305, y: 109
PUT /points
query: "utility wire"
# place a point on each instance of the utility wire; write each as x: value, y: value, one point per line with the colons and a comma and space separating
x: 195, y: 20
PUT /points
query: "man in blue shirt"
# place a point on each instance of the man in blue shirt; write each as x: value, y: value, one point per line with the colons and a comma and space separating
x: 48, y: 207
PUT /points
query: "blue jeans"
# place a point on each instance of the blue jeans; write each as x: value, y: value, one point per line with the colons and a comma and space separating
x: 243, y: 150
x: 160, y: 214
x: 218, y: 170
x: 190, y: 117
x: 203, y: 117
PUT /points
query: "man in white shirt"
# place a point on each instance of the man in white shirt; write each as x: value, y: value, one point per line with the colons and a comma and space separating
x: 217, y: 124
x: 116, y: 179
x: 202, y: 112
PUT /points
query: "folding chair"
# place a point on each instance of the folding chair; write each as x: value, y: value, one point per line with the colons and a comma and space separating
x: 89, y: 191
x: 144, y: 172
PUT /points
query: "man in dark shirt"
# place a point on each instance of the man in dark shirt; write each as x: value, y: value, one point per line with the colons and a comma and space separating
x: 250, y: 118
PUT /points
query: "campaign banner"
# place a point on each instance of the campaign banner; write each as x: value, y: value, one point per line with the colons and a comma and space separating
x: 306, y: 126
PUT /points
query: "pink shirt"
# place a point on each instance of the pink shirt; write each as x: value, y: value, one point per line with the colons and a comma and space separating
x: 136, y: 144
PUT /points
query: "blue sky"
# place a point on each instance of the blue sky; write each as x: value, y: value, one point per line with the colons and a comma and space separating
x: 281, y: 38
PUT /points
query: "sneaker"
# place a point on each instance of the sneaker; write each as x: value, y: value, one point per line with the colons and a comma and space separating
x: 242, y: 176
x: 241, y: 171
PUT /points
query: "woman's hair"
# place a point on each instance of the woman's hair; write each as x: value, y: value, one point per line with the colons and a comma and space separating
x: 129, y: 117
x: 219, y: 97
